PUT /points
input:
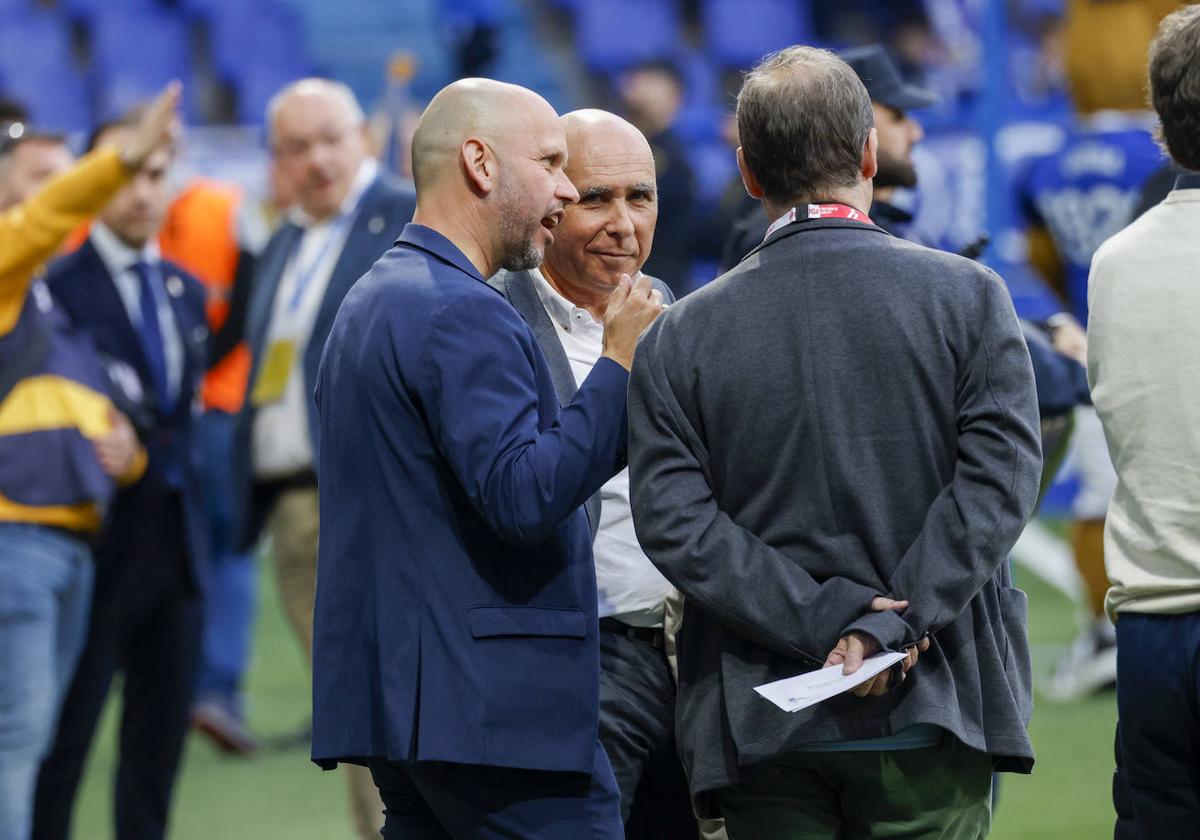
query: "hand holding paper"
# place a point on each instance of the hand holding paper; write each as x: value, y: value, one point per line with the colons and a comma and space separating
x: 800, y: 692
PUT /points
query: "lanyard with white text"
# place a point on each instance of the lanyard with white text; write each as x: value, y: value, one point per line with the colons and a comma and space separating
x: 819, y: 211
x: 304, y: 276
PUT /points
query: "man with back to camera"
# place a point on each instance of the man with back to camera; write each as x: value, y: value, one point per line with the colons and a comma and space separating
x: 833, y: 458
x: 892, y: 101
x: 146, y: 318
x: 455, y: 631
x: 1144, y: 366
x: 608, y: 233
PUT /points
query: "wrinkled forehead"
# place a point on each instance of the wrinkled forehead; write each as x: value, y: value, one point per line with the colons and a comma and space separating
x: 609, y: 158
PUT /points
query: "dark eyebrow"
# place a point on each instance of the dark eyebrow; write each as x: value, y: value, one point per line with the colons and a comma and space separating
x: 595, y: 192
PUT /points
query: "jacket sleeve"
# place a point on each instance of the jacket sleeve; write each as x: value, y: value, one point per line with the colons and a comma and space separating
x: 754, y: 589
x: 31, y: 232
x: 481, y: 393
x: 974, y: 522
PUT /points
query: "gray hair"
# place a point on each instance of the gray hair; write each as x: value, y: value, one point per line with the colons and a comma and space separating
x: 338, y: 91
x: 803, y: 119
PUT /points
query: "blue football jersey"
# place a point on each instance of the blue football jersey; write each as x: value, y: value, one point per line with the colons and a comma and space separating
x: 1086, y: 192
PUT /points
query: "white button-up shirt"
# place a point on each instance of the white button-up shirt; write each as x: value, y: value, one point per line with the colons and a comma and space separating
x: 630, y: 588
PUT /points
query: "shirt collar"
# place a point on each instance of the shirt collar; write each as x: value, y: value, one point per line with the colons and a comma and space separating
x: 1188, y: 181
x: 368, y: 170
x: 557, y: 306
x: 116, y: 255
x: 428, y: 239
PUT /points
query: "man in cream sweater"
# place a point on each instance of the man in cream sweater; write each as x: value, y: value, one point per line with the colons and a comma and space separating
x: 1144, y: 366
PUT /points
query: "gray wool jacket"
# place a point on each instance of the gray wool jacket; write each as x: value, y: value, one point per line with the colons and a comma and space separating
x: 842, y: 415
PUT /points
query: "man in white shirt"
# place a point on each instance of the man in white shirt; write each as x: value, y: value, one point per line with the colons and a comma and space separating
x: 1144, y: 367
x: 605, y: 235
x: 345, y: 216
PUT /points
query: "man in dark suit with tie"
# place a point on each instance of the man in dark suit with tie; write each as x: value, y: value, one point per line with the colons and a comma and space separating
x: 146, y: 317
x: 346, y: 215
x: 832, y: 449
x: 455, y: 648
x: 608, y: 233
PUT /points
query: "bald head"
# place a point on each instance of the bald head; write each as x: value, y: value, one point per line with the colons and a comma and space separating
x: 329, y: 93
x: 488, y: 159
x: 610, y: 230
x: 484, y: 109
x: 594, y: 135
x: 318, y: 140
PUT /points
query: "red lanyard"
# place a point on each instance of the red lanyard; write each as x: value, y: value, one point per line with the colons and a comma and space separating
x: 819, y: 211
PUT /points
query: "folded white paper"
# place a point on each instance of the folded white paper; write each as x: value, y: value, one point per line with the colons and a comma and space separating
x: 796, y: 693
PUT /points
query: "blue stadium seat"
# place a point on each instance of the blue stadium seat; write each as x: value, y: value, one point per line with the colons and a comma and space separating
x: 740, y: 32
x: 255, y: 88
x: 250, y: 35
x: 88, y: 10
x: 613, y: 35
x: 62, y: 106
x: 134, y: 53
x: 34, y: 43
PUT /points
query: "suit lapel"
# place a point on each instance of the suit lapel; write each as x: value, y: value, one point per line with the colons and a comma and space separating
x: 192, y: 334
x: 364, y: 244
x: 267, y: 280
x: 519, y: 290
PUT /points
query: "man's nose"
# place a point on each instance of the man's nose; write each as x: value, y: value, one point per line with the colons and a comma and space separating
x: 566, y: 190
x: 620, y: 223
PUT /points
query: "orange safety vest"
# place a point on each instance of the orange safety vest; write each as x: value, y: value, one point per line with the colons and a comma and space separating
x: 199, y: 234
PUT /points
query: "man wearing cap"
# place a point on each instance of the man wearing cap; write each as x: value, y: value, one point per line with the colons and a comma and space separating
x: 891, y: 99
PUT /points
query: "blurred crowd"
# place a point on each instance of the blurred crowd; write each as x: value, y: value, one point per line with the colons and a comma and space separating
x: 159, y: 345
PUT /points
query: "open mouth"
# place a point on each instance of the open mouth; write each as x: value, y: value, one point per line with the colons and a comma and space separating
x: 551, y: 221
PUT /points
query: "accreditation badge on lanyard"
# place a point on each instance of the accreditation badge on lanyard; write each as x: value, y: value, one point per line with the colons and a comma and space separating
x: 271, y: 382
x: 818, y: 211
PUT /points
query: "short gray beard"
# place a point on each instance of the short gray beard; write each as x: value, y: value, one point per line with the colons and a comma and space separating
x: 519, y: 253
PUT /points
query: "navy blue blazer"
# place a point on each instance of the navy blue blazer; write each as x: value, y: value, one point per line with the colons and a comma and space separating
x: 83, y: 287
x: 386, y: 209
x: 456, y: 595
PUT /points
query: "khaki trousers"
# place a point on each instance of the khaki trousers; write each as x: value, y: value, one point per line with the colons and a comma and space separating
x: 672, y: 621
x: 293, y: 527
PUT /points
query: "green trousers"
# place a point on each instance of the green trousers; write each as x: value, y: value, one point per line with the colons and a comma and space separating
x: 942, y: 791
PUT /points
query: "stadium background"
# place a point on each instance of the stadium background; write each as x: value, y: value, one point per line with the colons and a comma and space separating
x: 998, y: 66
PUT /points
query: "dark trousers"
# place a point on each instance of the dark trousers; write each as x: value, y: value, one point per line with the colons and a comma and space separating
x: 637, y: 729
x: 941, y: 791
x: 230, y: 597
x: 1158, y: 694
x: 146, y: 623
x: 433, y: 800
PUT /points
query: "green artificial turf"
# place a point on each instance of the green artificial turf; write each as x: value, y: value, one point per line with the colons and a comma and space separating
x: 280, y: 795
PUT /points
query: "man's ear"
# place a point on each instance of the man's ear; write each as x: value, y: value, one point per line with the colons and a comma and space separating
x: 479, y: 165
x: 870, y: 158
x: 753, y: 187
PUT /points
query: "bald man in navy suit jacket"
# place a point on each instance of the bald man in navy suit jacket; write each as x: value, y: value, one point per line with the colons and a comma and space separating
x: 455, y: 644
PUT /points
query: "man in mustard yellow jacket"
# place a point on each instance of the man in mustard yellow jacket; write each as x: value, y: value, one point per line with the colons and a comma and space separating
x: 64, y: 447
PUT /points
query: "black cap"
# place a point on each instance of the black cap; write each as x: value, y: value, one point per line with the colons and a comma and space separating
x: 883, y: 81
